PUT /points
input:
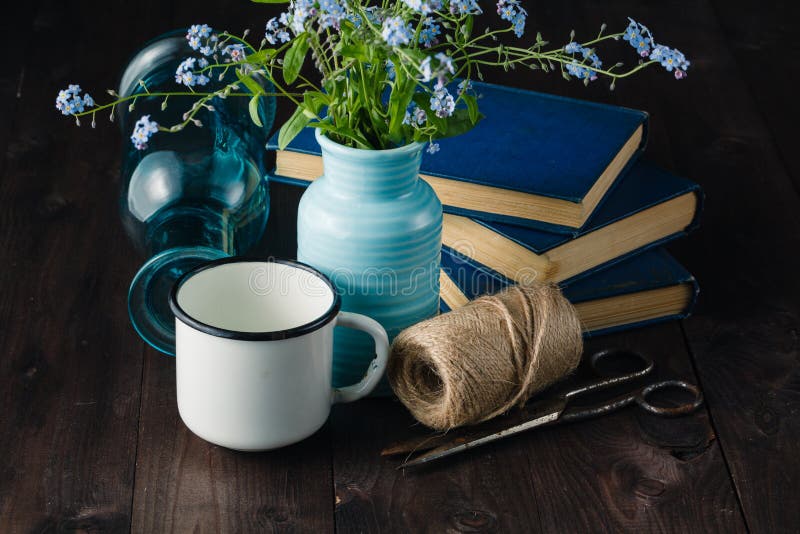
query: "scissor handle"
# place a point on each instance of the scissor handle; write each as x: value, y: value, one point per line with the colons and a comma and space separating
x: 670, y: 411
x: 614, y: 380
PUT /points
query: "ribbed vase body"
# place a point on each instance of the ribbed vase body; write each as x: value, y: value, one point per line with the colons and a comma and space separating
x: 373, y: 227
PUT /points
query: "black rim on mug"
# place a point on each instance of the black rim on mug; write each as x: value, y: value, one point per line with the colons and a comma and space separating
x: 296, y: 331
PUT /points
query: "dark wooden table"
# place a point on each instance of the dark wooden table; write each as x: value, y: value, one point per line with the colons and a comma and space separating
x: 90, y: 438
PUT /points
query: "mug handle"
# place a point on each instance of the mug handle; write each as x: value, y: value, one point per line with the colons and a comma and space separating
x: 376, y: 366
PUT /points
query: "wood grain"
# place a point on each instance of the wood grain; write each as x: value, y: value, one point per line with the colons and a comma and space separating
x: 70, y: 371
x: 184, y: 484
x: 744, y: 338
x: 760, y: 41
x: 16, y: 27
x: 90, y: 438
x: 626, y: 472
x: 633, y: 471
x: 488, y: 491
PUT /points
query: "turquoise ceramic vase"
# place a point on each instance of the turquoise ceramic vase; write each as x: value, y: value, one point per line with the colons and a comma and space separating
x: 372, y: 226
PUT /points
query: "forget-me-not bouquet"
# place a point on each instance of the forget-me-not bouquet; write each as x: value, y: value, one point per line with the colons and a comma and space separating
x: 388, y: 73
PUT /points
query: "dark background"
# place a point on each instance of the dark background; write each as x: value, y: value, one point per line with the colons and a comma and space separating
x: 90, y: 438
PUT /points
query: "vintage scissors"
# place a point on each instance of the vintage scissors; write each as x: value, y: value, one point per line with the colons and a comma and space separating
x: 554, y: 410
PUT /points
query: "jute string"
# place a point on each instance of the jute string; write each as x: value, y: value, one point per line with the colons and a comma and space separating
x: 482, y: 359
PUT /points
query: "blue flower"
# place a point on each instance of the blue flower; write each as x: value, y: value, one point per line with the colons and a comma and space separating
x: 186, y: 64
x: 519, y: 23
x: 194, y: 42
x: 184, y: 74
x: 202, y: 63
x: 188, y: 79
x: 590, y: 54
x: 465, y: 7
x: 143, y: 130
x: 425, y: 69
x: 424, y: 6
x: 442, y: 102
x: 428, y: 33
x: 464, y: 86
x: 580, y: 71
x: 276, y: 31
x: 206, y: 50
x: 204, y: 31
x: 572, y: 48
x: 444, y: 66
x: 301, y: 11
x: 69, y: 101
x: 390, y: 72
x: 512, y: 11
x: 415, y: 115
x: 445, y: 63
x: 331, y: 14
x: 670, y: 59
x: 433, y: 148
x: 631, y: 32
x: 396, y: 32
x: 641, y: 38
x: 235, y: 51
x: 642, y: 45
x: 354, y: 18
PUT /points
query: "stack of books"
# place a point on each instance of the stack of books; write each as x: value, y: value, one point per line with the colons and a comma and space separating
x: 552, y: 189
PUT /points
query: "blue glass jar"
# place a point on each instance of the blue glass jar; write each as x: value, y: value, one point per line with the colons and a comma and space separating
x: 191, y: 196
x: 374, y: 228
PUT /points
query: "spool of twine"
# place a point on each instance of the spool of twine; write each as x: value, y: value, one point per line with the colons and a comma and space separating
x: 482, y: 359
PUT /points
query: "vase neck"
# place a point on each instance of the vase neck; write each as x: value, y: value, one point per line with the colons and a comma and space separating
x: 374, y: 172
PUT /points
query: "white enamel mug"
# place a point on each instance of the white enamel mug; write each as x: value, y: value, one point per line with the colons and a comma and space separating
x: 254, y: 348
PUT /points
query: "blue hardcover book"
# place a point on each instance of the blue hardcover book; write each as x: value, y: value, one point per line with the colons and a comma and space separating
x: 644, y: 289
x: 648, y: 207
x: 536, y: 160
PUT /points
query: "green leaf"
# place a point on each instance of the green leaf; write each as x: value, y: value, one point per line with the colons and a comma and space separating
x: 253, y: 108
x: 292, y: 127
x: 358, y: 52
x: 343, y: 132
x: 253, y: 86
x: 402, y: 92
x: 472, y: 107
x: 261, y: 55
x: 459, y: 123
x: 315, y: 101
x: 295, y: 55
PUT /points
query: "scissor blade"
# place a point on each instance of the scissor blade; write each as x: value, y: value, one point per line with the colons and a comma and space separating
x: 540, y: 414
x: 418, y: 444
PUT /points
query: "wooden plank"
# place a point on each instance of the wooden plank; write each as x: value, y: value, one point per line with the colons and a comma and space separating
x: 744, y: 335
x: 761, y: 40
x: 16, y: 26
x: 626, y: 472
x: 633, y: 471
x: 186, y: 484
x: 489, y: 491
x: 743, y: 338
x: 71, y: 372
